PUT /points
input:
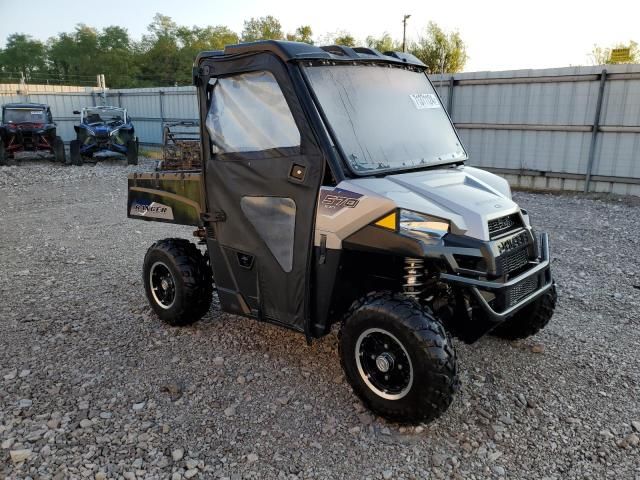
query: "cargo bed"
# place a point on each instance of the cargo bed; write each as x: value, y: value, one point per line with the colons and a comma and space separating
x: 171, y: 197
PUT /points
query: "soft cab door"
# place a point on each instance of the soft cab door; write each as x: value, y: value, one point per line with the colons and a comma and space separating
x: 263, y: 171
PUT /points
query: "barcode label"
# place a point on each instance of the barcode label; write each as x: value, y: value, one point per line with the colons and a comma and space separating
x: 425, y: 100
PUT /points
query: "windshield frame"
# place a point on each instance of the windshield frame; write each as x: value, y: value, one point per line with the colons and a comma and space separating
x: 102, y: 109
x: 308, y: 64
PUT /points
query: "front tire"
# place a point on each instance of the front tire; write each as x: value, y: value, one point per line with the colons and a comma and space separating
x: 398, y: 358
x: 58, y: 150
x: 132, y: 152
x: 74, y: 152
x: 177, y: 281
x: 3, y: 154
x: 531, y: 319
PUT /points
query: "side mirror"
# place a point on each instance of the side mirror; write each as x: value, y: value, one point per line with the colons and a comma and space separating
x: 76, y: 112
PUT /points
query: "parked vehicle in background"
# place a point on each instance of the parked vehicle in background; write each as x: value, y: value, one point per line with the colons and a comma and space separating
x: 181, y: 146
x: 103, y: 129
x: 29, y: 127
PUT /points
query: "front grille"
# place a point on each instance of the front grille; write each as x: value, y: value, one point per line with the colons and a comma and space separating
x: 502, y: 225
x: 521, y: 290
x: 512, y: 261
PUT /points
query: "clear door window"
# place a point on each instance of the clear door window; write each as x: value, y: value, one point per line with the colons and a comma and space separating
x: 248, y: 113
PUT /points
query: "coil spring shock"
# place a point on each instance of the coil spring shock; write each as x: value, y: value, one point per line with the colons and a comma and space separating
x: 413, y: 285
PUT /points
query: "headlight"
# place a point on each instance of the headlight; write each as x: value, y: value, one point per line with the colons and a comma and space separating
x: 422, y: 223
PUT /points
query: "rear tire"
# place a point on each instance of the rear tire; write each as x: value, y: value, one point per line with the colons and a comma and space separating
x: 3, y: 154
x: 58, y: 150
x: 74, y: 153
x: 132, y: 152
x: 398, y: 358
x: 177, y: 281
x: 531, y: 319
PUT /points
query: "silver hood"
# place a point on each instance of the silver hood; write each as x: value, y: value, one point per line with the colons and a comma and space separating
x: 466, y: 196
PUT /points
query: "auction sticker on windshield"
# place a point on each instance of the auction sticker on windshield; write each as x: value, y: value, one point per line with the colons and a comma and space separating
x: 425, y: 100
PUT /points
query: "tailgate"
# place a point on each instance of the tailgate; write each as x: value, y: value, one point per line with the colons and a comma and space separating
x: 174, y: 197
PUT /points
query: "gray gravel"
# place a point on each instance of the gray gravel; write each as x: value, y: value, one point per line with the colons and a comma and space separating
x: 93, y: 385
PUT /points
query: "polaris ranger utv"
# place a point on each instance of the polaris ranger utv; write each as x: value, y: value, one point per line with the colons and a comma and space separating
x: 29, y: 127
x: 334, y: 189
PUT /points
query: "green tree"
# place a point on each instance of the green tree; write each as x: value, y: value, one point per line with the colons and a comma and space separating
x: 342, y: 38
x: 384, y: 43
x: 439, y: 50
x: 302, y: 34
x: 262, y: 28
x: 22, y: 55
x: 195, y: 40
x: 79, y: 56
x: 159, y: 53
x: 74, y: 56
x: 602, y: 55
x: 61, y: 54
x: 116, y: 58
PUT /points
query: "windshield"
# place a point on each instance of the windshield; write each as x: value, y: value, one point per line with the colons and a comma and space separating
x: 385, y: 117
x: 102, y: 115
x: 24, y: 115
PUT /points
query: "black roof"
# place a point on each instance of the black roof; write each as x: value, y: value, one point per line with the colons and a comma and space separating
x: 297, y: 51
x: 25, y: 105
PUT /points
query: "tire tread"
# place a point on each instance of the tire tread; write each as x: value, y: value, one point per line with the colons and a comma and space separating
x: 196, y: 277
x: 432, y: 340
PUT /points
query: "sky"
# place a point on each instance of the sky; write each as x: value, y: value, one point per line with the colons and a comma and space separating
x: 500, y: 35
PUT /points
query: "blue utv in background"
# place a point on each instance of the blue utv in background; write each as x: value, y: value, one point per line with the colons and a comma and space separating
x: 102, y: 129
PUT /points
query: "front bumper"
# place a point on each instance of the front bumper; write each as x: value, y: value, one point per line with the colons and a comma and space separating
x: 513, y: 294
x: 29, y: 141
x: 102, y: 146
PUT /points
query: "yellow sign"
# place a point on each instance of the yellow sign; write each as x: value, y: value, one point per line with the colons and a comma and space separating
x: 620, y: 55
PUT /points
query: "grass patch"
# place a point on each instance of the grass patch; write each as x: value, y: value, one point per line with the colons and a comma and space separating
x: 151, y: 152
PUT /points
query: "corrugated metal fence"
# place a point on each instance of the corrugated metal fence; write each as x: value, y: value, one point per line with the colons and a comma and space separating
x: 552, y: 129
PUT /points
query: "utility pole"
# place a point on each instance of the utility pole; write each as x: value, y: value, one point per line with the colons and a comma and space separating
x: 404, y: 32
x: 104, y: 89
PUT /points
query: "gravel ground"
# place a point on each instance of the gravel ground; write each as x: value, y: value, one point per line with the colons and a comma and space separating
x: 93, y: 385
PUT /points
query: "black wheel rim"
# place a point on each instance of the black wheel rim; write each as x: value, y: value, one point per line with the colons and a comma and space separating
x: 163, y: 287
x: 384, y: 364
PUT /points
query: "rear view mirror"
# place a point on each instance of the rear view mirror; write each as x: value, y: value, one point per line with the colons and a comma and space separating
x: 76, y: 112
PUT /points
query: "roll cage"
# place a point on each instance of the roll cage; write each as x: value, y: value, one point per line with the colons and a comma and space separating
x: 85, y: 115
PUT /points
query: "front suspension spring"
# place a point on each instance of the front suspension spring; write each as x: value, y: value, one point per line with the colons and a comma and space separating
x: 413, y: 285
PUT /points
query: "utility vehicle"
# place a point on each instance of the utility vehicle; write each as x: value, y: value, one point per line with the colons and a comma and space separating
x: 28, y: 127
x: 103, y: 129
x: 334, y: 190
